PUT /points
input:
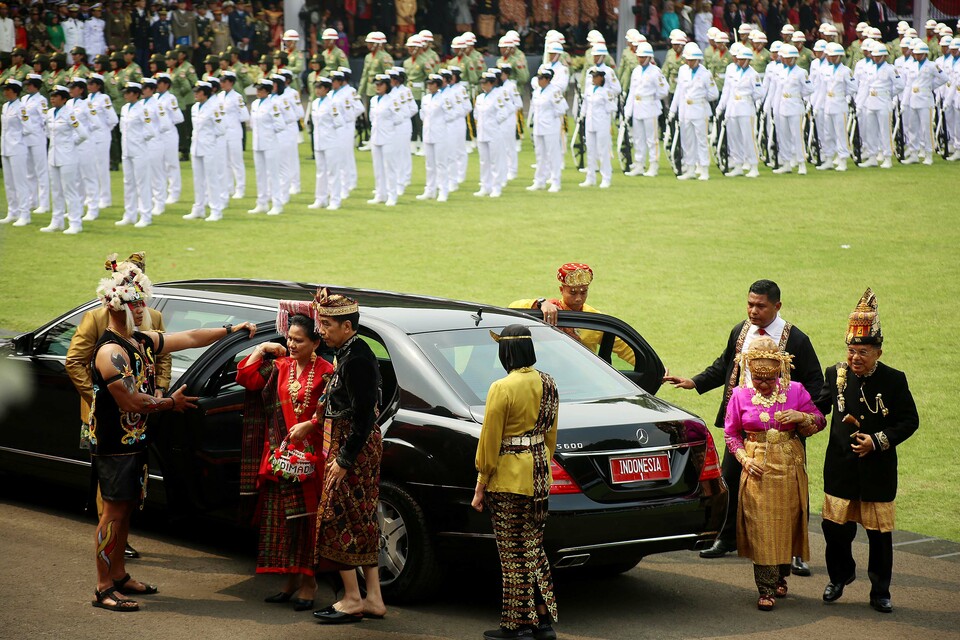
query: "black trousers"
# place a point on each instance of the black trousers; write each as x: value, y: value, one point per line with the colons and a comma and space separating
x: 840, y: 562
x: 185, y: 129
x: 731, y: 469
x: 116, y: 151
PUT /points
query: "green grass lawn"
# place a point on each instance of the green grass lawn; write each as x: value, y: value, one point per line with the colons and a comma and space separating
x: 674, y: 259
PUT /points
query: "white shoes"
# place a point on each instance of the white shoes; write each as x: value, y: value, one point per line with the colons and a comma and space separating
x: 604, y: 184
x: 753, y: 173
x: 236, y: 195
x: 157, y: 211
x: 40, y: 210
x: 928, y: 160
x: 22, y: 222
x: 275, y: 211
x: 652, y: 170
x: 9, y: 219
x: 841, y: 165
x: 391, y: 202
x: 258, y: 209
x: 294, y: 191
x: 316, y: 204
x: 536, y: 187
x: 375, y: 201
x: 704, y: 175
x: 636, y: 171
x: 784, y: 169
x: 191, y: 216
x: 50, y: 228
x: 911, y: 159
x: 90, y: 217
x: 588, y: 183
x: 481, y: 193
x: 72, y: 230
x: 689, y: 175
x: 141, y: 223
x: 554, y: 188
x: 170, y: 200
x: 426, y: 196
x: 866, y: 164
x: 216, y: 216
x: 736, y: 171
x: 825, y: 166
x: 442, y: 197
x: 803, y: 169
x: 124, y: 221
x: 887, y: 163
x: 954, y: 156
x: 495, y: 193
x: 333, y: 206
x: 511, y: 176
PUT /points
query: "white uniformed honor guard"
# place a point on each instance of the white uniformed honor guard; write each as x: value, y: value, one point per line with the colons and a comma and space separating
x: 235, y: 115
x: 158, y: 185
x: 691, y: 104
x: 349, y: 104
x: 490, y: 112
x: 137, y: 129
x: 836, y: 87
x: 547, y: 110
x: 741, y: 91
x: 267, y: 125
x: 170, y: 116
x: 14, y: 154
x: 794, y: 86
x: 925, y: 79
x: 438, y: 110
x: 643, y: 106
x: 600, y: 104
x: 208, y: 166
x: 458, y: 128
x: 101, y: 109
x: 386, y: 115
x: 65, y: 132
x: 89, y: 188
x: 328, y: 119
x: 290, y: 154
x: 35, y: 139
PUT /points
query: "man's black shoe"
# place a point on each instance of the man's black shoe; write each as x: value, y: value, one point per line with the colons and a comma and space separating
x: 544, y: 631
x: 834, y: 590
x: 130, y: 553
x: 799, y: 568
x: 718, y: 550
x: 883, y: 605
x: 501, y: 633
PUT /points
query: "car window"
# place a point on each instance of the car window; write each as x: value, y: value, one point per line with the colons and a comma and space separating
x: 56, y: 340
x: 183, y: 315
x: 470, y: 361
x: 605, y: 344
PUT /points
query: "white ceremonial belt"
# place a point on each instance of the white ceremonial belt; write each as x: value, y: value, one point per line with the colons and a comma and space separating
x: 417, y: 85
x: 522, y: 441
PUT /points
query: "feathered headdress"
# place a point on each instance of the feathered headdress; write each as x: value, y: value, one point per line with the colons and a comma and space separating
x: 126, y: 283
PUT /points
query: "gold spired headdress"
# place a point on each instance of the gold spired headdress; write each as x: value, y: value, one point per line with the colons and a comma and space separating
x: 863, y: 326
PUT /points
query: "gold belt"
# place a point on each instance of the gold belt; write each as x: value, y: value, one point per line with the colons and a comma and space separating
x: 786, y: 95
x: 829, y: 94
x: 916, y: 89
x: 522, y: 441
x: 771, y: 436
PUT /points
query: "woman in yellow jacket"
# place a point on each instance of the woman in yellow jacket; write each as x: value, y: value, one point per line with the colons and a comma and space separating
x: 516, y: 445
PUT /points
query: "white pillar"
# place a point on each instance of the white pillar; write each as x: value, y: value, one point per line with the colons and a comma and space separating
x: 624, y: 24
x: 291, y: 18
x: 921, y: 12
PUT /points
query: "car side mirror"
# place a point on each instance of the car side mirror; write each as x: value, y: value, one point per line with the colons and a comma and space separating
x: 23, y: 344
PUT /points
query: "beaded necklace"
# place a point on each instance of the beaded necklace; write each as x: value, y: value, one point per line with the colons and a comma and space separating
x: 294, y: 386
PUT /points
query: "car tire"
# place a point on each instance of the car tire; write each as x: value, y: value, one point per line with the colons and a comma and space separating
x: 409, y: 569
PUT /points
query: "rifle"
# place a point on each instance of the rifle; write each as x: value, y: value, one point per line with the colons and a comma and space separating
x: 624, y: 139
x: 720, y: 148
x: 671, y: 140
x: 853, y: 134
x: 761, y: 136
x: 811, y: 138
x: 363, y: 129
x: 578, y: 142
x: 899, y: 137
x: 941, y: 138
x: 772, y: 143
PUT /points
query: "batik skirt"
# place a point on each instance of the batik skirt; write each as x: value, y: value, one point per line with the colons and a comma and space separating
x: 348, y: 533
x: 526, y: 573
x: 286, y: 543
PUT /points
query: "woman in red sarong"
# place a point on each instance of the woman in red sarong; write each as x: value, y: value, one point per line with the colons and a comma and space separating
x: 280, y: 441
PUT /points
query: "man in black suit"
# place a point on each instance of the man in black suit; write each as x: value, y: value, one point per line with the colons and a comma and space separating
x: 763, y: 319
x: 873, y: 412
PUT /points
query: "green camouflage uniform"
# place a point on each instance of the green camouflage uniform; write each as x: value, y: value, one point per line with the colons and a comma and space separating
x: 373, y: 64
x: 671, y: 67
x: 417, y: 68
x: 184, y: 78
x: 804, y: 59
x: 718, y: 66
x: 628, y: 62
x: 855, y: 53
x: 760, y: 60
x: 296, y: 66
x: 332, y: 59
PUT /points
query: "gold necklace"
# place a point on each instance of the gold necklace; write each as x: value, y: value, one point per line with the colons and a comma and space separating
x: 878, y: 407
x: 294, y: 386
x: 766, y: 402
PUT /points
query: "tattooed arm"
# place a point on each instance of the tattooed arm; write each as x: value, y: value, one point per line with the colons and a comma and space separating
x: 194, y: 338
x: 115, y: 369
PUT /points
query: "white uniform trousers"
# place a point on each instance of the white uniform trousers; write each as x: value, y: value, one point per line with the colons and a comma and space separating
x: 102, y: 160
x: 171, y: 166
x: 65, y: 195
x: 386, y: 170
x: 833, y: 136
x: 790, y: 139
x: 498, y: 155
x: 437, y: 164
x: 289, y: 170
x: 741, y: 141
x: 458, y: 141
x: 208, y: 178
x: 403, y: 154
x: 599, y: 144
x: 266, y: 167
x: 646, y: 142
x: 89, y: 185
x: 876, y: 128
x: 237, y: 172
x: 37, y: 176
x: 137, y: 188
x: 491, y: 165
x: 158, y: 178
x: 510, y: 143
x: 952, y: 114
x: 328, y: 188
x: 16, y: 186
x: 348, y: 166
x: 868, y: 141
x: 919, y: 130
x: 693, y: 140
x: 548, y: 151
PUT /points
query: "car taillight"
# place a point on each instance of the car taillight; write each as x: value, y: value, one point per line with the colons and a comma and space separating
x: 711, y: 462
x: 562, y: 482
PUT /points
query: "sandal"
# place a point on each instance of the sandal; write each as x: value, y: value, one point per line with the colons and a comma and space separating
x: 121, y: 586
x: 766, y: 603
x: 781, y: 588
x: 119, y: 604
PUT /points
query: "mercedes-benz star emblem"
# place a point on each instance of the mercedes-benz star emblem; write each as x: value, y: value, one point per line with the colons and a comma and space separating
x: 642, y: 436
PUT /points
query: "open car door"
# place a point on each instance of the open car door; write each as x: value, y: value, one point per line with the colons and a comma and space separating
x: 616, y: 342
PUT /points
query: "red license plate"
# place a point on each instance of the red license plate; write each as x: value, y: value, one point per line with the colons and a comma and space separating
x: 640, y: 468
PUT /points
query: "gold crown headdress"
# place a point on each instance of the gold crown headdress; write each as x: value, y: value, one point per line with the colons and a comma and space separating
x: 764, y: 361
x: 863, y: 326
x: 334, y: 304
x: 126, y: 283
x: 575, y: 274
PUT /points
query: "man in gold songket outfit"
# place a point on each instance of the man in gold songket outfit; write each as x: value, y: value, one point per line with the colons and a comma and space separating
x: 873, y: 413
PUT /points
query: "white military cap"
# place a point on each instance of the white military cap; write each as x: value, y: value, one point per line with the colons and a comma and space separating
x: 834, y: 49
x: 227, y: 73
x: 14, y: 82
x: 712, y: 33
x: 788, y: 29
x: 330, y: 34
x: 414, y: 41
x: 789, y: 51
x: 930, y: 25
x: 201, y: 84
x: 722, y: 37
x: 745, y: 27
x: 291, y: 34
x: 93, y: 76
x: 644, y: 49
x: 861, y: 26
x: 600, y: 49
x: 902, y: 26
x: 828, y: 29
x: 776, y: 46
x: 911, y: 32
x: 744, y: 54
x: 691, y: 51
x: 595, y: 36
x: 945, y: 41
x: 554, y: 47
x: 678, y: 38
x: 631, y: 36
x: 151, y: 81
x: 820, y: 45
x: 919, y: 46
x: 381, y: 77
x: 798, y: 37
x: 426, y: 35
x: 758, y: 36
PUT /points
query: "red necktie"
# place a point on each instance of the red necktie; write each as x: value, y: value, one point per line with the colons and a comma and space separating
x: 762, y: 332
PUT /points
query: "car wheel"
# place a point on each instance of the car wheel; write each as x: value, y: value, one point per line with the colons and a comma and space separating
x: 409, y: 569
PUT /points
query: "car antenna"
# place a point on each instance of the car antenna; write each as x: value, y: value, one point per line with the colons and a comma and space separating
x: 478, y: 316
